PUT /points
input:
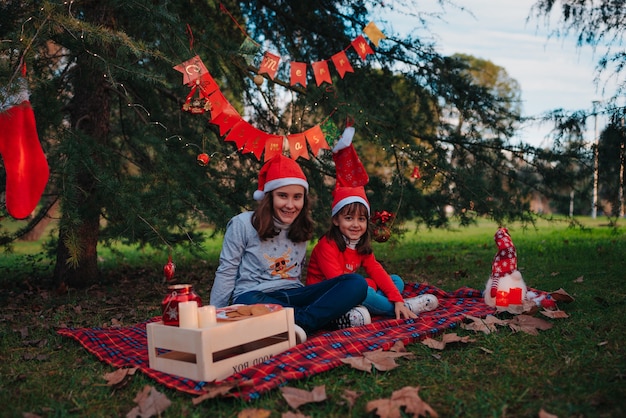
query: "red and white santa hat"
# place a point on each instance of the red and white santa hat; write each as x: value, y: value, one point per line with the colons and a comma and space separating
x: 505, y: 260
x: 279, y: 171
x: 343, y: 196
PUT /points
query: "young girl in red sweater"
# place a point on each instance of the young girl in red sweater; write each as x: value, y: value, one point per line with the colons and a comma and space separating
x: 347, y: 245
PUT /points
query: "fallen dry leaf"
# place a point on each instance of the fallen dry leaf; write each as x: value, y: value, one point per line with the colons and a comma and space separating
x: 555, y: 314
x: 579, y: 279
x: 217, y: 389
x: 446, y: 339
x: 359, y: 363
x: 297, y: 397
x: 398, y: 347
x: 529, y: 324
x: 407, y: 398
x: 119, y: 377
x: 562, y: 296
x: 381, y: 360
x: 432, y: 343
x: 486, y: 325
x: 544, y: 414
x: 254, y: 413
x: 385, y: 360
x: 150, y: 402
x: 350, y: 396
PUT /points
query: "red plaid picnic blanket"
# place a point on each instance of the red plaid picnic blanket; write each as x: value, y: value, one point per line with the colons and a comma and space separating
x: 128, y: 346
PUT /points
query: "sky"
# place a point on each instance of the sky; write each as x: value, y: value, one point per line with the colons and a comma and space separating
x: 552, y: 73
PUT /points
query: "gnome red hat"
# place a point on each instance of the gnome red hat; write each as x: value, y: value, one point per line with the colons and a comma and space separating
x: 343, y: 196
x: 279, y: 171
x: 505, y: 260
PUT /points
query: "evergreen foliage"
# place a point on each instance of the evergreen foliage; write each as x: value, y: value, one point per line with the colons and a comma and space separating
x: 123, y: 154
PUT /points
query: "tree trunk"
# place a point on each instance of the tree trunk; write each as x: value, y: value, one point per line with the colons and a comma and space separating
x: 38, y: 230
x: 90, y: 113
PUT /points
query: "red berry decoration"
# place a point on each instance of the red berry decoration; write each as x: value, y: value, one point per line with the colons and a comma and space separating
x: 169, y: 269
x: 203, y: 159
x: 381, y: 233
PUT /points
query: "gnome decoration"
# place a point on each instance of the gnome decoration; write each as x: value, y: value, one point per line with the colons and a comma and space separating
x: 505, y: 288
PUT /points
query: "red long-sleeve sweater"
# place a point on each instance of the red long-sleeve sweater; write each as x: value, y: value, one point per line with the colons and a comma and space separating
x: 327, y: 262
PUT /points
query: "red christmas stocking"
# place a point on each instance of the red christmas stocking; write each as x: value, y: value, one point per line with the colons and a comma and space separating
x: 24, y: 161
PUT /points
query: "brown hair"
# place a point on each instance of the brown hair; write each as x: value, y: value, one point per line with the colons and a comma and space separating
x: 263, y: 221
x: 364, y: 246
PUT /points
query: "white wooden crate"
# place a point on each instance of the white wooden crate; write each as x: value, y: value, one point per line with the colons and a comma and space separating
x: 228, y: 347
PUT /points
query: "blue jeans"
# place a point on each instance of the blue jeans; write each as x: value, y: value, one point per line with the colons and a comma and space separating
x: 377, y: 303
x: 316, y: 305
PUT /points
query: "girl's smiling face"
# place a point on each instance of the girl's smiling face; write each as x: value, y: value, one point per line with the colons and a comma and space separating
x: 288, y: 202
x: 352, y: 224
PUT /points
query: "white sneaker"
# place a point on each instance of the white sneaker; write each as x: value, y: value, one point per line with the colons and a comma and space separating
x: 422, y: 303
x: 300, y: 334
x: 355, y: 317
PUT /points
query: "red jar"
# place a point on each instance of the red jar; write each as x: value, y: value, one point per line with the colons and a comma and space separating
x: 177, y: 293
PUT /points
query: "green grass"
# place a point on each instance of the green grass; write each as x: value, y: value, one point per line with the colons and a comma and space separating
x: 575, y: 369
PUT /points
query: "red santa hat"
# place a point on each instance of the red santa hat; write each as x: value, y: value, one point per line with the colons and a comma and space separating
x: 343, y: 196
x: 505, y: 260
x: 279, y: 171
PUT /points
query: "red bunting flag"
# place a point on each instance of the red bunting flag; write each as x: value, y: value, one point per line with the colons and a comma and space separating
x: 297, y: 146
x: 342, y: 64
x: 218, y: 103
x: 269, y: 64
x: 273, y: 146
x: 316, y: 139
x: 361, y: 47
x: 298, y: 73
x: 240, y: 133
x: 192, y: 70
x: 320, y: 69
x: 227, y: 119
x: 207, y: 85
x: 255, y: 143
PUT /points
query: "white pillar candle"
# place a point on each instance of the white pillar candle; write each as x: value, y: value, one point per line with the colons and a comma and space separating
x: 206, y: 316
x: 188, y: 314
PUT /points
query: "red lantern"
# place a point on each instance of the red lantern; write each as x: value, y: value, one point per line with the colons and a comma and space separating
x: 416, y: 173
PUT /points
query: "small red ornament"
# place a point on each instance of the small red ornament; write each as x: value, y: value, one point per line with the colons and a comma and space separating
x: 381, y: 233
x: 169, y: 269
x: 416, y: 173
x: 203, y: 159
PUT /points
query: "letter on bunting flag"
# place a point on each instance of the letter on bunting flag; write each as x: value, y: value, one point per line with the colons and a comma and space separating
x: 273, y: 146
x: 342, y: 64
x: 316, y: 139
x: 361, y: 47
x: 269, y: 64
x: 298, y: 73
x: 297, y: 146
x: 320, y: 69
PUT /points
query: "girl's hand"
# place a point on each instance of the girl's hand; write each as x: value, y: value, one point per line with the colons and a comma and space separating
x: 403, y: 312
